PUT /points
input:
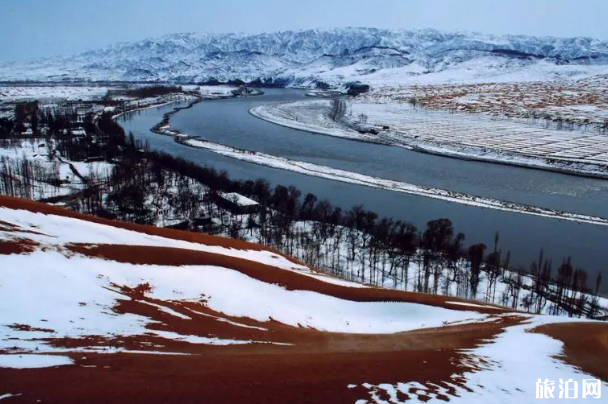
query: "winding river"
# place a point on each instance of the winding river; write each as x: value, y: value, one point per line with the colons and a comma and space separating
x: 228, y: 122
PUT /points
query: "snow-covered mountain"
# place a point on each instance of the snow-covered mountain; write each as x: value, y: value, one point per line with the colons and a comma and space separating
x: 331, y: 56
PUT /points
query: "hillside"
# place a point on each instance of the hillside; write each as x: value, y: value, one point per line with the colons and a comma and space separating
x: 335, y: 56
x: 98, y: 311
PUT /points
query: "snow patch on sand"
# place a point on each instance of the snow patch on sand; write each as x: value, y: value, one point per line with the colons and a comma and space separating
x: 505, y: 370
x: 21, y: 361
x: 64, y: 230
x: 8, y: 395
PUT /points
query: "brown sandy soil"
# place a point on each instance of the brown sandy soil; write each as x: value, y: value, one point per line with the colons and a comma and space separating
x: 585, y: 345
x: 316, y: 368
x: 285, y: 364
x: 37, y: 207
x: 5, y: 226
x: 17, y: 246
x: 25, y: 327
x: 317, y: 371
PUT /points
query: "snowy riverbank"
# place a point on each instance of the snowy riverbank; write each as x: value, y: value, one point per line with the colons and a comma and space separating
x: 458, y: 135
x: 374, y: 182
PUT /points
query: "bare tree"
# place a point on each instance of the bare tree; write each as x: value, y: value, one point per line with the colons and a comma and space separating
x: 337, y: 109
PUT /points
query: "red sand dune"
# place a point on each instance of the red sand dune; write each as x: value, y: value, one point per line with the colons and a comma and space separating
x: 313, y: 366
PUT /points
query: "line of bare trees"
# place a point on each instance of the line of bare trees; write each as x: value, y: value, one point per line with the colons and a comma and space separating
x: 355, y: 243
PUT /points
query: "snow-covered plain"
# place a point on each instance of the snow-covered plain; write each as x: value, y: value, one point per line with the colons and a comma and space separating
x: 52, y: 92
x: 581, y: 103
x: 461, y: 135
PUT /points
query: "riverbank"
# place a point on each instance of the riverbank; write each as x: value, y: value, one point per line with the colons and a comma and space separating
x: 164, y: 126
x: 194, y: 94
x: 460, y: 135
x: 315, y: 170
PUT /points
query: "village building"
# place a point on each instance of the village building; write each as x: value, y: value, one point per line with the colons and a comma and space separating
x: 235, y: 203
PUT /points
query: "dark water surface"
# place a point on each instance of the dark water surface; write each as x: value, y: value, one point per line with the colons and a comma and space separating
x: 229, y: 122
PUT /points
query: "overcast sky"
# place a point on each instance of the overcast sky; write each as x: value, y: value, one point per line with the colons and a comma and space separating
x: 34, y: 28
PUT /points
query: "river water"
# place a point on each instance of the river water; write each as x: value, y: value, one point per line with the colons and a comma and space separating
x: 229, y: 122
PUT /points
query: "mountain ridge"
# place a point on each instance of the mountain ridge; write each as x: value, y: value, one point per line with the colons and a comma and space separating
x: 308, y: 57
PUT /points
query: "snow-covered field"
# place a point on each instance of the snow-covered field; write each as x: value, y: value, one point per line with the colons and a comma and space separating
x: 462, y: 135
x: 52, y: 92
x: 567, y: 103
x: 74, y: 296
x: 44, y: 156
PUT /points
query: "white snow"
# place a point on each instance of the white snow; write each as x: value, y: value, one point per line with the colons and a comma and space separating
x: 194, y: 339
x: 74, y: 296
x: 513, y: 362
x: 225, y: 320
x: 330, y: 279
x: 258, y: 300
x: 167, y: 310
x: 307, y: 116
x: 238, y: 199
x: 22, y: 361
x: 59, y: 229
x: 8, y: 395
x: 54, y: 301
x: 456, y: 134
x: 333, y: 56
